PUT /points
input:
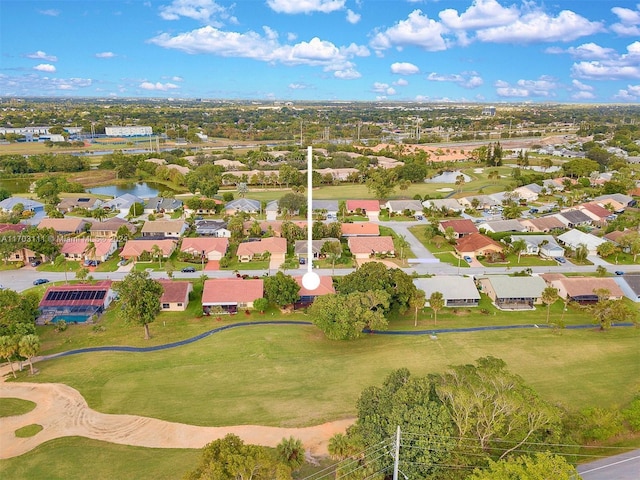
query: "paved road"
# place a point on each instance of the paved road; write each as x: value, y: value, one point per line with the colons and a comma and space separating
x: 620, y: 467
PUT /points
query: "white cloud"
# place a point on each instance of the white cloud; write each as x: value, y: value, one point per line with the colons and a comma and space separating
x: 163, y: 87
x: 404, y: 68
x: 40, y: 55
x: 298, y: 86
x: 418, y: 30
x: 383, y: 88
x: 177, y: 79
x: 45, y: 67
x: 542, y: 87
x: 29, y: 83
x: 578, y: 85
x: 629, y: 21
x: 305, y: 6
x: 200, y: 10
x: 105, y: 55
x: 583, y: 95
x: 629, y: 94
x: 266, y: 48
x: 50, y: 12
x: 591, y: 51
x: 347, y: 74
x: 401, y: 82
x: 481, y: 14
x: 614, y: 67
x: 537, y: 26
x: 353, y: 17
x: 465, y: 79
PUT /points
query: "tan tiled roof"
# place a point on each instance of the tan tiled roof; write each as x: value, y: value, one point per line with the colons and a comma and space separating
x: 165, y: 226
x: 460, y: 226
x: 112, y: 225
x: 271, y: 244
x: 77, y: 246
x: 368, y: 205
x: 360, y: 228
x: 325, y: 287
x: 583, y: 286
x: 174, y: 292
x: 475, y: 242
x: 544, y: 223
x: 67, y: 224
x: 370, y: 244
x: 206, y: 244
x: 220, y: 291
x: 133, y: 248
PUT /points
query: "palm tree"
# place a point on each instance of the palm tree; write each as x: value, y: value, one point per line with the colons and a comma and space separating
x: 416, y: 301
x: 8, y: 349
x: 436, y: 302
x: 339, y: 447
x: 401, y: 240
x: 90, y: 251
x: 581, y: 253
x: 549, y: 296
x: 291, y: 452
x: 28, y: 347
x: 99, y: 214
x: 517, y: 247
x: 156, y: 252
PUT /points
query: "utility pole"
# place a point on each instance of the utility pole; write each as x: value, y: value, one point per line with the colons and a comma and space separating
x: 396, y: 456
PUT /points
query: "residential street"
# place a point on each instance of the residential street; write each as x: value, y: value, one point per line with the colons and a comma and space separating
x: 620, y: 467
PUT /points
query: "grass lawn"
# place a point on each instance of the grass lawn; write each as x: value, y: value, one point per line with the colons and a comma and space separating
x: 69, y: 458
x: 446, y: 253
x: 621, y: 258
x: 28, y: 430
x: 525, y: 261
x: 15, y: 406
x: 110, y: 265
x: 10, y: 265
x: 69, y: 266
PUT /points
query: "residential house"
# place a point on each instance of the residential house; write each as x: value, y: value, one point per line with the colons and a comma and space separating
x: 447, y: 204
x: 360, y: 229
x: 553, y: 184
x: 513, y: 293
x: 207, y: 206
x: 272, y: 209
x: 582, y: 290
x: 457, y: 291
x: 529, y: 193
x: 211, y: 248
x: 402, y: 206
x: 461, y: 227
x: 597, y: 213
x: 275, y: 246
x: 23, y: 254
x: 327, y: 207
x: 575, y: 238
x: 542, y: 224
x: 133, y: 249
x: 8, y: 204
x: 499, y: 226
x: 574, y: 218
x: 164, y: 228
x: 307, y: 297
x: 109, y: 228
x: 212, y: 228
x: 75, y: 303
x: 175, y: 295
x: 271, y: 227
x: 478, y: 244
x: 365, y: 247
x: 162, y: 205
x: 68, y: 204
x: 618, y: 202
x: 484, y: 202
x: 301, y: 247
x: 245, y: 205
x: 78, y: 248
x: 543, y: 245
x: 227, y: 295
x: 370, y: 208
x: 122, y: 204
x: 65, y: 226
x: 630, y: 285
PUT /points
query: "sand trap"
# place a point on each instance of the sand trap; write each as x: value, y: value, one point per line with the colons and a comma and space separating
x: 63, y: 412
x: 478, y: 170
x: 444, y: 189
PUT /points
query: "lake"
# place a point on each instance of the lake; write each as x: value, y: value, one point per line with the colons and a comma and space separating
x: 139, y: 189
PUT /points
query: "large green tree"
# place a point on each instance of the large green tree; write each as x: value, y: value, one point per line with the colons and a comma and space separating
x: 8, y: 349
x: 139, y: 299
x: 541, y: 466
x: 345, y: 316
x: 28, y: 347
x: 18, y: 313
x: 281, y: 289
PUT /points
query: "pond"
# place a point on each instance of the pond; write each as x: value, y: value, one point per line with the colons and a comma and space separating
x: 448, y: 177
x: 139, y: 189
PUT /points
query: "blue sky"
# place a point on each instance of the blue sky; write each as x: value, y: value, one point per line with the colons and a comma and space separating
x: 585, y: 51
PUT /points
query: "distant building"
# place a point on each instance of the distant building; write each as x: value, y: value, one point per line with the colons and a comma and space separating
x: 489, y: 111
x: 128, y: 131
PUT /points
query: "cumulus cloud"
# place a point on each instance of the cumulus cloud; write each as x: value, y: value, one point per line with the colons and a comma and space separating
x: 401, y: 82
x: 298, y: 86
x: 383, y: 88
x: 353, y: 17
x: 305, y: 6
x: 614, y: 67
x: 578, y: 85
x: 629, y: 21
x: 537, y: 26
x: 27, y: 84
x: 583, y: 95
x: 200, y: 10
x: 50, y: 12
x: 544, y: 86
x: 481, y: 14
x: 40, y: 55
x: 591, y: 51
x: 266, y: 47
x: 105, y: 55
x: 417, y: 30
x: 45, y: 67
x: 465, y: 79
x: 404, y: 68
x: 163, y: 87
x: 629, y: 94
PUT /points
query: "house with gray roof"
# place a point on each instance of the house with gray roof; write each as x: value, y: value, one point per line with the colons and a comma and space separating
x: 513, y: 293
x: 574, y: 218
x: 246, y: 205
x: 500, y: 226
x: 446, y: 203
x: 7, y: 204
x: 212, y: 228
x: 399, y: 206
x: 162, y: 205
x: 122, y: 203
x: 630, y: 286
x: 543, y: 245
x: 529, y: 192
x: 457, y: 291
x: 300, y: 247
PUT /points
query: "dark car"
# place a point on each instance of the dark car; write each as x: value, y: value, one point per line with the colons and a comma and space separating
x: 560, y: 260
x: 188, y: 269
x: 35, y: 263
x: 40, y: 281
x: 619, y: 272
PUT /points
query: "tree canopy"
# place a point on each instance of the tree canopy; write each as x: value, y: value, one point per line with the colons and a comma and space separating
x: 281, y: 289
x: 139, y: 299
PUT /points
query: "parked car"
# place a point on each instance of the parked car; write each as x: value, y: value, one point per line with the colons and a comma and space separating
x: 303, y: 261
x: 619, y: 272
x: 188, y: 269
x: 40, y: 281
x: 467, y: 259
x: 122, y: 263
x: 35, y: 263
x: 91, y: 263
x: 560, y: 260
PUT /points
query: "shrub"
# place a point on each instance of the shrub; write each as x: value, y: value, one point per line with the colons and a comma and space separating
x: 61, y: 326
x: 601, y: 423
x: 632, y: 414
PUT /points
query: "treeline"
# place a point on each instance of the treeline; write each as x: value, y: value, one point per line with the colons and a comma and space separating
x: 45, y: 162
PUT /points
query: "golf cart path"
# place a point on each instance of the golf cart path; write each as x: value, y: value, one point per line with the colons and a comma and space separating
x: 62, y: 411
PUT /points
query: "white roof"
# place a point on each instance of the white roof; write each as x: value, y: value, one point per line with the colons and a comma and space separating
x: 574, y: 238
x: 452, y: 287
x: 516, y: 287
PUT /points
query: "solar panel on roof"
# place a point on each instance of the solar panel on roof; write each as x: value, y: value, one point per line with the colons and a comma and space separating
x: 100, y: 295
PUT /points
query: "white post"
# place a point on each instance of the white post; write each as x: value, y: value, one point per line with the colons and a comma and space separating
x: 396, y: 456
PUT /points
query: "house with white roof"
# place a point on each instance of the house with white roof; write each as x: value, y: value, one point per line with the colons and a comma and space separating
x: 457, y: 291
x: 513, y: 293
x: 530, y: 192
x: 543, y: 245
x: 122, y: 203
x: 574, y: 238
